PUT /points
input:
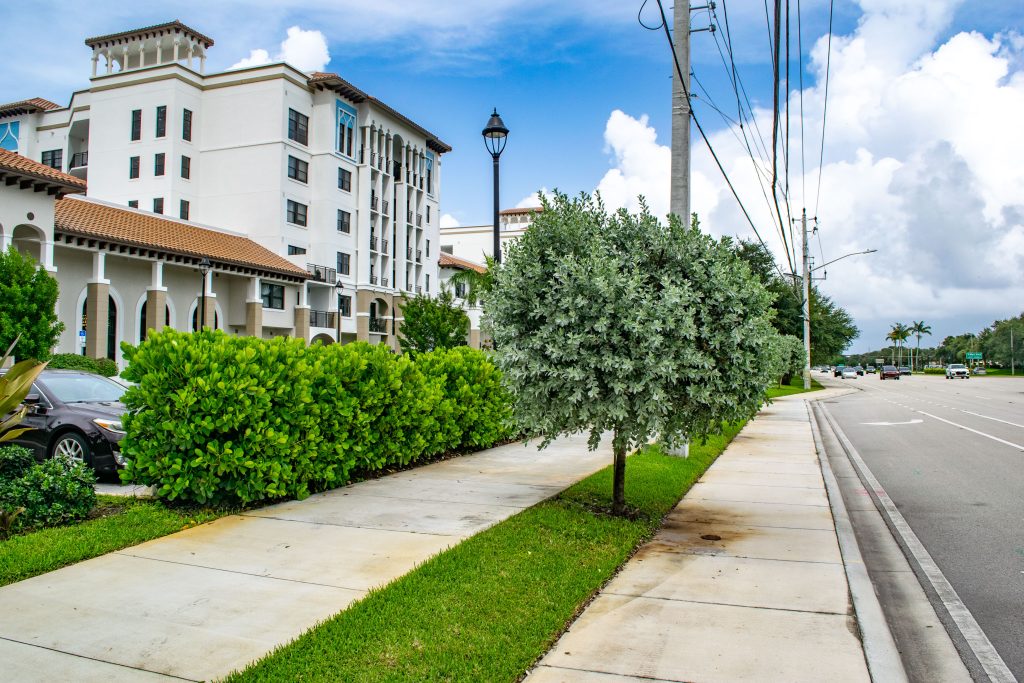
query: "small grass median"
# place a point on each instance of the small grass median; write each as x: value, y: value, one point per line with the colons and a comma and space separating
x: 488, y: 608
x: 795, y: 386
x: 115, y: 523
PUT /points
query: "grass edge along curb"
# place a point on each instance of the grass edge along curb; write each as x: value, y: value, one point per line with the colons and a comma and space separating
x: 45, y: 550
x: 490, y: 607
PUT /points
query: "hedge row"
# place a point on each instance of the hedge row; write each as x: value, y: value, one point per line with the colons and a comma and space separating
x: 74, y: 361
x: 225, y: 420
x: 35, y: 495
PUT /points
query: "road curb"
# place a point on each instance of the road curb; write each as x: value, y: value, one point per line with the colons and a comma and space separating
x: 883, y: 657
x: 980, y: 646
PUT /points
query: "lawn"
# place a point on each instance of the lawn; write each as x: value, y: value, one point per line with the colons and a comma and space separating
x: 795, y: 386
x: 116, y: 523
x: 487, y: 609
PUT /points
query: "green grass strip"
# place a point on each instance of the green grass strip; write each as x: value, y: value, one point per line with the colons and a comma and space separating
x: 124, y: 522
x: 488, y: 608
x: 795, y: 386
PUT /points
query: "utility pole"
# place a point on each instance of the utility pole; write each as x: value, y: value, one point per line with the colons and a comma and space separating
x: 1012, y: 368
x: 807, y: 301
x: 679, y: 202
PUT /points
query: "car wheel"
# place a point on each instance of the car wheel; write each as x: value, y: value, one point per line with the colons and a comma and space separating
x: 72, y: 448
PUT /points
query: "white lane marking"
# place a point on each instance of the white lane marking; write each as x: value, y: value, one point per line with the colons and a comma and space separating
x: 1007, y: 422
x: 976, y: 639
x: 975, y: 431
x: 891, y: 424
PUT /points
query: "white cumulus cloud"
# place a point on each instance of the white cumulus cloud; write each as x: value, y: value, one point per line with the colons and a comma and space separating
x: 449, y: 221
x: 305, y: 50
x: 640, y: 165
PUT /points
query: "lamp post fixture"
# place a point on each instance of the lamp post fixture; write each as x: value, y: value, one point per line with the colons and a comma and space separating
x: 495, y: 136
x: 204, y: 270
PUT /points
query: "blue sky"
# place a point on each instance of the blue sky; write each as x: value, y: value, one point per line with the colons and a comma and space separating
x: 557, y: 71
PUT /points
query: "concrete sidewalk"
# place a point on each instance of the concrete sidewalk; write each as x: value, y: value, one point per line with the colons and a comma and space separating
x: 203, y: 602
x: 745, y: 582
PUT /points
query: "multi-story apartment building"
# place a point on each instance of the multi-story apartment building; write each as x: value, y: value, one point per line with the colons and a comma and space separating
x: 474, y: 242
x: 306, y: 165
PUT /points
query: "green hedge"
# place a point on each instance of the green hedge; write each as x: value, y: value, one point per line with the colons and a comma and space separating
x: 935, y: 371
x: 227, y: 420
x: 35, y: 495
x: 74, y: 361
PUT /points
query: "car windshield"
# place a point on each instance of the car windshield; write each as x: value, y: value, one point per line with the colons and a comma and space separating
x: 956, y: 366
x: 75, y: 388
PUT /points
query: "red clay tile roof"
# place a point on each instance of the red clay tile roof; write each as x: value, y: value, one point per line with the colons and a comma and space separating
x: 89, y: 218
x: 518, y: 211
x: 335, y: 82
x: 15, y: 165
x: 450, y: 261
x: 207, y: 42
x: 27, y: 106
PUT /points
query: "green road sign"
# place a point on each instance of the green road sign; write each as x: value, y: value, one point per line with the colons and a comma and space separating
x: 973, y: 355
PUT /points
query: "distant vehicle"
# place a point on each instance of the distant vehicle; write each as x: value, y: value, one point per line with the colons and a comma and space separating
x: 838, y: 372
x: 957, y: 370
x: 859, y: 369
x: 871, y: 369
x: 850, y: 372
x: 904, y: 370
x: 889, y: 372
x: 978, y: 371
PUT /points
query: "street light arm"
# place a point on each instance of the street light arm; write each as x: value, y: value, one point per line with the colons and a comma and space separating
x: 856, y: 253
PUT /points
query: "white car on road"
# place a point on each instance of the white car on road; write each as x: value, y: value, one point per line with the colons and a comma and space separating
x: 849, y: 372
x: 957, y: 370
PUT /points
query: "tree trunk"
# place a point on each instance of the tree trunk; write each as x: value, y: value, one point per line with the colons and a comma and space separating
x: 619, y: 476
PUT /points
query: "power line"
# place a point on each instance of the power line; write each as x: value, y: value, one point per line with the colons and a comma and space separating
x: 824, y: 115
x: 800, y: 64
x: 777, y: 47
x: 700, y: 129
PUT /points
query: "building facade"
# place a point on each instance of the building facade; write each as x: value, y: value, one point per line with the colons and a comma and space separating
x: 474, y: 242
x: 308, y: 166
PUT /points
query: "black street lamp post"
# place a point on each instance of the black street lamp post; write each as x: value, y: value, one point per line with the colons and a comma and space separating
x: 204, y: 270
x: 495, y: 136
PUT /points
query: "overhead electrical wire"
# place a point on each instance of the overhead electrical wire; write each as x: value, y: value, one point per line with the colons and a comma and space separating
x: 824, y: 114
x: 700, y: 129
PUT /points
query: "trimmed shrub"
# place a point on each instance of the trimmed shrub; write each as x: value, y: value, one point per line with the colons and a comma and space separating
x: 106, y: 367
x: 72, y: 361
x: 223, y: 420
x: 479, y: 405
x: 51, y: 493
x: 14, y: 461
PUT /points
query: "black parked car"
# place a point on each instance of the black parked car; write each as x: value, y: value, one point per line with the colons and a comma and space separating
x: 77, y: 416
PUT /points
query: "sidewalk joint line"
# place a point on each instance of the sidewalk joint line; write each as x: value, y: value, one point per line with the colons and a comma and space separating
x: 235, y: 571
x: 355, y: 526
x: 441, y: 502
x: 96, y: 659
x: 609, y: 673
x: 730, y: 604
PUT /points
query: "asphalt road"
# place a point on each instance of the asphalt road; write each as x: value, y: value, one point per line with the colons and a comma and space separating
x: 961, y: 491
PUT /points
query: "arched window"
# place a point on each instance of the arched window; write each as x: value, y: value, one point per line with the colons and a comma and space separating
x: 111, y: 325
x: 142, y: 320
x: 195, y: 318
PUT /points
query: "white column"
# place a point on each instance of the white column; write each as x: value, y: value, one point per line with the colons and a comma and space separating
x: 254, y: 290
x: 95, y: 62
x: 202, y: 62
x: 157, y: 273
x: 177, y: 43
x: 142, y: 54
x: 5, y: 241
x: 124, y: 58
x: 99, y: 267
x: 208, y: 285
x: 110, y: 62
x: 46, y: 249
x: 304, y: 295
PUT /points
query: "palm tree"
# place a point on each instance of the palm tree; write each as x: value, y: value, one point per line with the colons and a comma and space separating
x: 899, y: 334
x: 918, y: 329
x: 478, y: 283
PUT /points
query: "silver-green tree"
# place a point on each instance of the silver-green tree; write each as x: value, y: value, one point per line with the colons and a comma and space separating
x: 614, y: 322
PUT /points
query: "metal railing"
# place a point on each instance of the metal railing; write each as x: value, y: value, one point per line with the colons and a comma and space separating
x: 79, y: 160
x: 384, y: 246
x: 383, y: 282
x: 384, y: 206
x: 320, y: 318
x: 419, y: 255
x: 320, y: 273
x: 408, y: 216
x: 373, y: 202
x: 373, y: 279
x: 419, y: 290
x: 379, y: 325
x: 419, y: 220
x: 373, y: 242
x: 408, y: 253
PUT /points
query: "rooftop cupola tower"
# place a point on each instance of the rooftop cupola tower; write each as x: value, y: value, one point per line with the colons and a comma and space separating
x: 168, y: 43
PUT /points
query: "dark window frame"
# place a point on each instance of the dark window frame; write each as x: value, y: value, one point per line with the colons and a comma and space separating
x: 158, y: 205
x: 186, y: 124
x: 296, y: 251
x: 344, y: 221
x: 294, y: 215
x: 298, y: 170
x: 184, y: 207
x: 272, y: 295
x: 159, y: 164
x: 136, y: 129
x: 298, y: 127
x: 186, y: 167
x: 55, y: 160
x: 345, y: 305
x: 134, y: 167
x: 344, y: 263
x: 344, y: 179
x: 161, y: 121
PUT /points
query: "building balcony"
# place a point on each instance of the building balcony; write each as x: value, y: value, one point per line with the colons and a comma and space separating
x: 384, y: 246
x: 373, y: 242
x: 383, y: 282
x: 373, y: 279
x: 419, y: 290
x: 384, y: 207
x: 408, y: 217
x: 319, y: 273
x: 408, y: 253
x: 79, y: 160
x: 419, y: 220
x: 397, y: 172
x: 379, y: 325
x: 419, y: 256
x: 320, y: 318
x: 373, y: 202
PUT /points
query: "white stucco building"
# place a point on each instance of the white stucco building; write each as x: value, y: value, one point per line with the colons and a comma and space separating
x: 308, y: 166
x: 474, y: 242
